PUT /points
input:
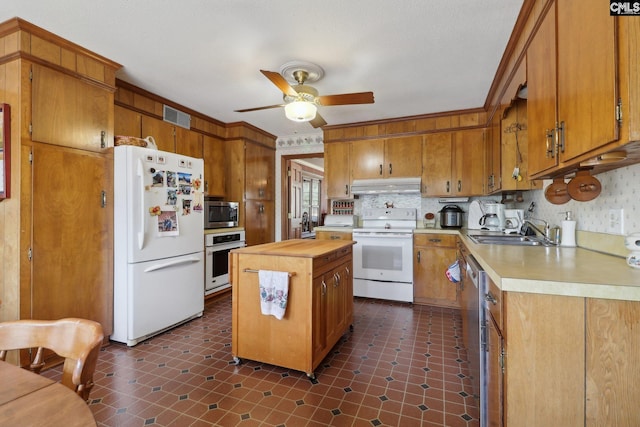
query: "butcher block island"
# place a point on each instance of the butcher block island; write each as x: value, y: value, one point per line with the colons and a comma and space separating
x: 319, y: 306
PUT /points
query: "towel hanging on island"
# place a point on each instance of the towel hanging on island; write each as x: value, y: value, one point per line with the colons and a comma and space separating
x: 274, y: 292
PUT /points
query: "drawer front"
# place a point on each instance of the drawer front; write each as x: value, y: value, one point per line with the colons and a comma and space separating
x: 493, y: 297
x: 333, y: 235
x: 330, y: 260
x: 436, y: 240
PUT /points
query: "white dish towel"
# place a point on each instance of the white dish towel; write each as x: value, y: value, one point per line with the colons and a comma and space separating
x: 274, y: 292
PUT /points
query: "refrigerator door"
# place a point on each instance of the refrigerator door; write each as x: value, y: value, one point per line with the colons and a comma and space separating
x: 158, y: 206
x: 159, y: 295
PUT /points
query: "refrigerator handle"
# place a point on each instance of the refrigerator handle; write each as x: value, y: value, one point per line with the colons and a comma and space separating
x: 171, y: 264
x: 140, y: 173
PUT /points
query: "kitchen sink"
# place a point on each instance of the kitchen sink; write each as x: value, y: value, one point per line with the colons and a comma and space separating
x: 507, y: 239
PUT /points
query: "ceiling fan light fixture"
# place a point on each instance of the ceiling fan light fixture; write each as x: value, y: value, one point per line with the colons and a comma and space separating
x: 300, y: 111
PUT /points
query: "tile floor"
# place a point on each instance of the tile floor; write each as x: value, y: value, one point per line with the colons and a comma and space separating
x: 403, y: 365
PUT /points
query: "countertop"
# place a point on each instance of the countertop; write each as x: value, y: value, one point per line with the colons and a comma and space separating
x: 307, y: 248
x: 553, y: 270
x: 556, y: 270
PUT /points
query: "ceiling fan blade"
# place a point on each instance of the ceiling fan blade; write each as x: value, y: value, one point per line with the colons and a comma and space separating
x: 347, y: 98
x: 318, y: 121
x: 280, y: 81
x: 259, y: 108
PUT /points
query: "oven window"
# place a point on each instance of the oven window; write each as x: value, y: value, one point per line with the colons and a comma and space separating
x: 220, y: 262
x: 382, y: 258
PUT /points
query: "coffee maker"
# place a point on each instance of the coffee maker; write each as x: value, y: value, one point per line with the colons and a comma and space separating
x: 493, y: 218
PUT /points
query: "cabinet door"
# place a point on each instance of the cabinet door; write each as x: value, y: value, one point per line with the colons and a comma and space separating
x: 214, y: 166
x: 587, y: 76
x: 337, y: 170
x: 259, y: 172
x: 541, y: 97
x: 494, y: 153
x: 162, y: 132
x: 494, y: 374
x: 437, y: 158
x: 612, y: 362
x: 188, y: 142
x: 431, y: 260
x: 127, y: 122
x: 318, y: 316
x: 403, y: 157
x: 69, y: 112
x: 469, y: 154
x: 367, y: 159
x: 72, y: 235
x: 259, y: 222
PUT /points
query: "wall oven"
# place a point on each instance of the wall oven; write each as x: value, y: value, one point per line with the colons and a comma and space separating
x: 383, y: 254
x: 220, y: 214
x: 217, y: 247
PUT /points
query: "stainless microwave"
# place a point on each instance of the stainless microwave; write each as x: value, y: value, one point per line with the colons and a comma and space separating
x: 220, y: 214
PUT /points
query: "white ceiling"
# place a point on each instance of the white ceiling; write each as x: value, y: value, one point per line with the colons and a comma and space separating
x: 417, y: 56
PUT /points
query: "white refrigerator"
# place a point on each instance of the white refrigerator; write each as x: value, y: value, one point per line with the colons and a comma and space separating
x: 158, y: 242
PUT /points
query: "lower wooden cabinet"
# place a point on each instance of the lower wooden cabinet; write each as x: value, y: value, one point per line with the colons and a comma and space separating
x: 562, y: 360
x: 433, y: 253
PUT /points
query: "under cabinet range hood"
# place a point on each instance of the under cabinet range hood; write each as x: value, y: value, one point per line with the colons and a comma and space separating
x: 386, y: 185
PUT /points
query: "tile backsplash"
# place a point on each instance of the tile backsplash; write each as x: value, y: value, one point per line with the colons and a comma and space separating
x: 620, y: 190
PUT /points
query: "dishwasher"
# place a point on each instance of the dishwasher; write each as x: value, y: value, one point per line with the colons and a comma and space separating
x: 473, y: 301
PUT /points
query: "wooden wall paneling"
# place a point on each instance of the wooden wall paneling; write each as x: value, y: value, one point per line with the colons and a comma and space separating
x: 127, y: 122
x: 162, y: 132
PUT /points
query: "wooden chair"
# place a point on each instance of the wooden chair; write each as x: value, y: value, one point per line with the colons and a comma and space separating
x: 77, y: 340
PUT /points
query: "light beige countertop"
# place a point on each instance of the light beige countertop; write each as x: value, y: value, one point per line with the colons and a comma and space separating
x: 557, y: 270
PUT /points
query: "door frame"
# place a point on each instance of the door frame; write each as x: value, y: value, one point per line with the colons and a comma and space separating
x: 284, y: 183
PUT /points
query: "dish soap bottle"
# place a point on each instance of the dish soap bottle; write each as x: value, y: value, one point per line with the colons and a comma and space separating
x: 568, y: 230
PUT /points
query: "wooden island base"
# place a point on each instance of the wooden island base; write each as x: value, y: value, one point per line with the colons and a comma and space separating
x: 319, y: 307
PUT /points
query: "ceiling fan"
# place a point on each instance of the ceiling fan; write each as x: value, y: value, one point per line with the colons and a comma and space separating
x: 301, y: 101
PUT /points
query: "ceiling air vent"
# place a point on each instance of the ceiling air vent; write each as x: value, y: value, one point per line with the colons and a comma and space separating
x: 176, y: 117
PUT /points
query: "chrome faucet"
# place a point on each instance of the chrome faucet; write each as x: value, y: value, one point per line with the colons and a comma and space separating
x: 544, y: 233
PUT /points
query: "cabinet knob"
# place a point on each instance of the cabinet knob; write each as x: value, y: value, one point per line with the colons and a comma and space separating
x: 459, y: 185
x: 390, y: 169
x: 380, y: 169
x: 346, y: 189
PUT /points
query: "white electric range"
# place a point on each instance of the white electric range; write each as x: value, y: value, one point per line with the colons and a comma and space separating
x: 383, y: 254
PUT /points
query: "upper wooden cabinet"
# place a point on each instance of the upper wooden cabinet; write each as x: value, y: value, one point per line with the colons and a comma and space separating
x: 127, y: 122
x: 387, y: 158
x: 337, y: 170
x: 259, y: 172
x: 454, y: 163
x: 572, y: 85
x: 61, y: 101
x: 214, y: 166
x: 437, y: 156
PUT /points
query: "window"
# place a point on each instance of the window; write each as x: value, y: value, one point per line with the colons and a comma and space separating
x: 310, y: 202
